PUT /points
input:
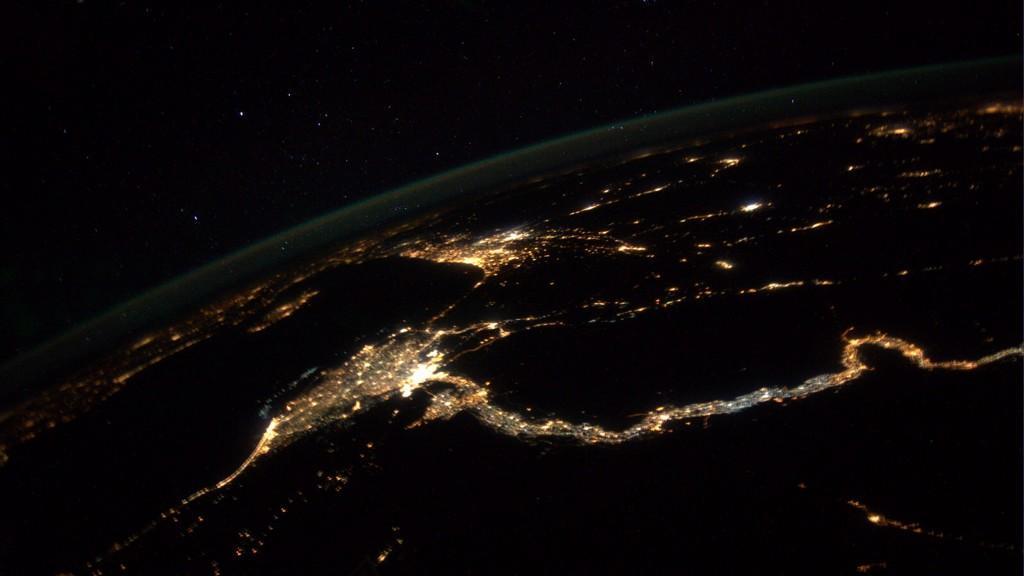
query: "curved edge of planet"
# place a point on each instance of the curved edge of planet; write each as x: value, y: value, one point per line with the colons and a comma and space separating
x: 21, y: 375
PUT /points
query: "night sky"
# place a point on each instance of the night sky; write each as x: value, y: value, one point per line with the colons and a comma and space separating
x: 151, y: 139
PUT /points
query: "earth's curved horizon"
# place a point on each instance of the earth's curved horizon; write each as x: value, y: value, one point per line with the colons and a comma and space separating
x: 786, y: 324
x: 163, y: 302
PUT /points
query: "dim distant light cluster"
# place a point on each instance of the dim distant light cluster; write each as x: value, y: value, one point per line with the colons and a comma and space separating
x: 884, y: 521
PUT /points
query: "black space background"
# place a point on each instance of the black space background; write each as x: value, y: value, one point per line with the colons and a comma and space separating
x: 143, y: 140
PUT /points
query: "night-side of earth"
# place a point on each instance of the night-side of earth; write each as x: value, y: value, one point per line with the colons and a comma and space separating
x: 792, y: 348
